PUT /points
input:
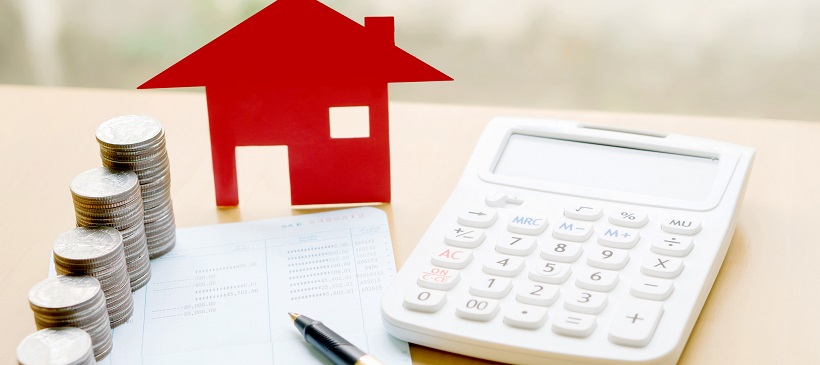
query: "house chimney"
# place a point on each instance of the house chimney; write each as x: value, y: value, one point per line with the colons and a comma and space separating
x: 381, y: 27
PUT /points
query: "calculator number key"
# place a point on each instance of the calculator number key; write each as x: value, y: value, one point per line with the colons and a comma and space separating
x: 573, y: 324
x: 527, y: 223
x: 608, y: 258
x: 537, y: 294
x: 524, y: 316
x: 549, y: 272
x: 572, y: 231
x: 518, y: 245
x: 465, y: 237
x: 618, y: 237
x: 583, y: 301
x: 477, y: 308
x: 673, y: 246
x: 424, y: 300
x: 561, y: 251
x: 628, y: 218
x: 635, y: 322
x: 679, y: 225
x: 507, y: 266
x: 451, y: 257
x: 594, y: 279
x: 490, y: 286
x: 437, y: 278
x: 662, y: 266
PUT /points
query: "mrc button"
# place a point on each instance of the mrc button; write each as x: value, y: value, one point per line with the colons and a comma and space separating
x: 527, y: 223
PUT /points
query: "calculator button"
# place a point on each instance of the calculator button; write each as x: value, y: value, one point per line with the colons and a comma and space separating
x: 518, y: 245
x: 585, y: 301
x: 476, y: 308
x: 451, y: 257
x: 573, y: 324
x: 477, y: 217
x: 561, y: 251
x: 618, y: 237
x: 524, y: 316
x: 526, y: 223
x: 572, y: 231
x: 500, y: 199
x: 464, y: 237
x: 672, y: 246
x: 679, y: 225
x: 594, y: 279
x: 662, y: 266
x: 437, y: 278
x: 628, y: 218
x: 651, y: 288
x: 550, y: 272
x: 424, y: 300
x: 635, y: 322
x: 490, y: 286
x: 585, y: 212
x: 537, y: 294
x: 607, y: 258
x: 501, y: 265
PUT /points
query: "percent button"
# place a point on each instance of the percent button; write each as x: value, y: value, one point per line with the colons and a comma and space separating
x: 628, y: 218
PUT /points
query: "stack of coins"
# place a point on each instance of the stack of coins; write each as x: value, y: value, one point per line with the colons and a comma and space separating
x: 98, y: 251
x: 105, y: 197
x: 56, y: 346
x: 137, y: 143
x: 73, y: 301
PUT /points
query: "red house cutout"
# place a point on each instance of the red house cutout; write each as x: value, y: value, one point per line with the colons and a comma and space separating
x: 272, y: 79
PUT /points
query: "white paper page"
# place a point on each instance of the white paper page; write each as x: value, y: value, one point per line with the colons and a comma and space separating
x: 223, y: 294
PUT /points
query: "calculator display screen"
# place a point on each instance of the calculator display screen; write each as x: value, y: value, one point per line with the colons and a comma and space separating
x: 608, y: 167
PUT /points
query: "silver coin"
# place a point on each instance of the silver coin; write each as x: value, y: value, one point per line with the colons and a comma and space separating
x: 103, y: 184
x: 88, y: 244
x: 129, y: 131
x: 64, y: 292
x: 57, y: 346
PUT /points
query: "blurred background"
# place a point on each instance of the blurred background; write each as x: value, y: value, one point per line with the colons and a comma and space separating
x: 745, y: 58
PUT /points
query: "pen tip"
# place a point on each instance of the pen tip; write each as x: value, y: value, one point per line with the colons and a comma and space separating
x: 293, y: 316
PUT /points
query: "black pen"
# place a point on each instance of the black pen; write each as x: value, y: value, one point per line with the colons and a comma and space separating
x: 329, y: 343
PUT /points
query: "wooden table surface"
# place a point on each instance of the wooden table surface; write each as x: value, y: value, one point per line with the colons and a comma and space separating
x: 761, y: 310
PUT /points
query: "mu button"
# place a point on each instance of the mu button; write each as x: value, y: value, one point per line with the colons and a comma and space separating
x: 679, y: 225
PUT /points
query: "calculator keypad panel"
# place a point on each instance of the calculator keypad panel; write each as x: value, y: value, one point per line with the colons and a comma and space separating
x: 545, y: 266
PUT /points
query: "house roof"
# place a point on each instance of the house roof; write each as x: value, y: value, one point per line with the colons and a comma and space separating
x: 298, y: 42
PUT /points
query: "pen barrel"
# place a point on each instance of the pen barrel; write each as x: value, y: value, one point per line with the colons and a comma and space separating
x: 335, y: 347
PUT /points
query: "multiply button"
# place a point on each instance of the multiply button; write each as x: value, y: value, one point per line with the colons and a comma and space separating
x: 433, y: 277
x: 635, y: 323
x: 477, y: 217
x: 681, y: 226
x: 661, y: 266
x: 526, y: 223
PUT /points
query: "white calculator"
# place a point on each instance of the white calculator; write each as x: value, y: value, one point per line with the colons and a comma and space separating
x: 568, y: 243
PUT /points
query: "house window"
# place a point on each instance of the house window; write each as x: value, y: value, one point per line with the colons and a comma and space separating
x: 350, y: 122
